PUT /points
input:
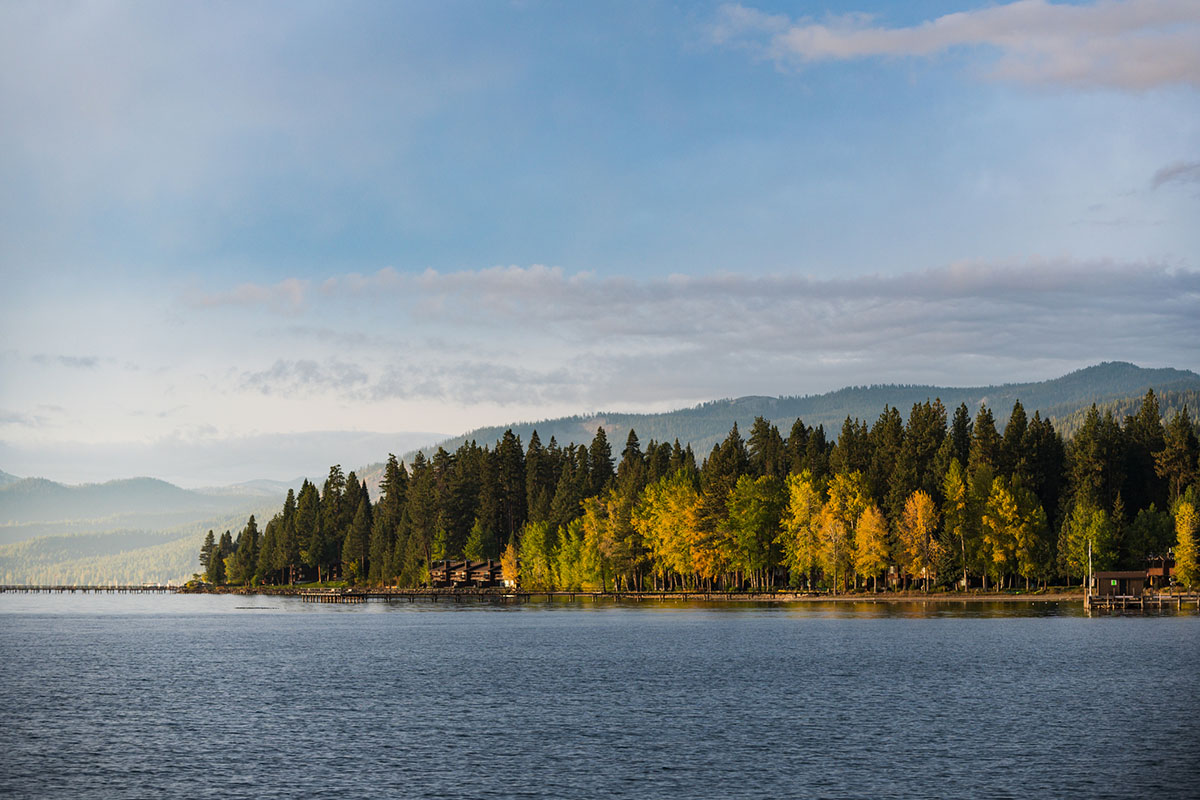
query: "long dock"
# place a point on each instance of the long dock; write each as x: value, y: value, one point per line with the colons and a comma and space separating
x: 96, y: 589
x: 1141, y: 602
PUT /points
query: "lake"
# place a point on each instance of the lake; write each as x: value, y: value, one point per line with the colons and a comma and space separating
x: 233, y: 696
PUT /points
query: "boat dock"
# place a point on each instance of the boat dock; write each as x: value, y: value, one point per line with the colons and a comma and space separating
x: 97, y: 589
x: 1141, y: 602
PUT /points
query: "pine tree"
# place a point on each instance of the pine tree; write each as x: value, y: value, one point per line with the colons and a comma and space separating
x: 309, y: 540
x: 510, y: 484
x: 600, y: 466
x: 1176, y: 462
x: 631, y: 472
x: 355, y: 546
x: 1144, y: 436
x: 206, y: 551
x: 385, y: 525
x: 766, y: 451
x: 962, y: 431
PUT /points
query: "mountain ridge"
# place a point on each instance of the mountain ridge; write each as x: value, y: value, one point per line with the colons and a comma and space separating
x: 705, y: 424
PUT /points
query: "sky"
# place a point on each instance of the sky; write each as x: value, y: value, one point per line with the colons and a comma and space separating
x: 248, y: 240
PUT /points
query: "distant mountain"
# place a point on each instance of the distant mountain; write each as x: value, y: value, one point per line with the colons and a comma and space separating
x: 120, y: 555
x: 39, y: 500
x: 259, y: 488
x: 6, y: 479
x: 706, y: 424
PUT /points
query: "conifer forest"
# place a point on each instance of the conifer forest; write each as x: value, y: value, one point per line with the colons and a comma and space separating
x: 938, y: 500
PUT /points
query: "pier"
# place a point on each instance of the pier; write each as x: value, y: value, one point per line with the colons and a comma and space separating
x: 1141, y: 602
x: 96, y: 589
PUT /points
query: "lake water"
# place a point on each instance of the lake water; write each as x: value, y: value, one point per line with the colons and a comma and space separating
x: 226, y: 696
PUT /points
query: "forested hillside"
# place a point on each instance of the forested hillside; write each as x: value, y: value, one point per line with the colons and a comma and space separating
x: 935, y: 499
x: 704, y: 425
x: 166, y: 554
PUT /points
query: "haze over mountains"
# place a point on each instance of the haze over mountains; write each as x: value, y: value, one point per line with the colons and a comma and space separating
x: 145, y: 529
x: 706, y: 424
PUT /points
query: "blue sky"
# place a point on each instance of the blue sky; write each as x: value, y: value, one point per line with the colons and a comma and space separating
x: 223, y: 223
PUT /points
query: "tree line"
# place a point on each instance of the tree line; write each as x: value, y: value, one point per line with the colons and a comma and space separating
x: 932, y: 501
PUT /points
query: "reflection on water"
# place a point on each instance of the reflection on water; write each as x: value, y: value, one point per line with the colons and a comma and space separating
x: 243, y: 696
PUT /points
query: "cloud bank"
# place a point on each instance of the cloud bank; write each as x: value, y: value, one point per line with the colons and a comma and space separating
x: 1128, y: 45
x: 537, y: 335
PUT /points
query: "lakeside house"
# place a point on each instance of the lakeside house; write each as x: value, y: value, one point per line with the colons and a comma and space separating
x: 464, y: 573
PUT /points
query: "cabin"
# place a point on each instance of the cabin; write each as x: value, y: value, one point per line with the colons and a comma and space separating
x: 460, y: 573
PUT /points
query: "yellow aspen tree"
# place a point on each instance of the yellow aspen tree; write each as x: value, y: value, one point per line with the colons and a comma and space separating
x: 917, y: 537
x: 1001, y: 530
x: 800, y: 537
x: 871, y: 545
x: 1187, y: 559
x: 848, y: 498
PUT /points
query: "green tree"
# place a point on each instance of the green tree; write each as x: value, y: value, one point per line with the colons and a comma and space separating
x: 600, y: 465
x: 356, y: 545
x: 1176, y: 462
x: 206, y: 551
x: 755, y: 506
x: 1086, y: 524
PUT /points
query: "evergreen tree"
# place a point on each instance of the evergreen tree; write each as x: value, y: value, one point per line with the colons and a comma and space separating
x: 1013, y: 449
x: 1176, y: 462
x: 886, y: 440
x: 1144, y: 436
x: 600, y: 466
x: 962, y: 432
x: 511, y: 488
x: 797, y: 447
x: 356, y: 545
x: 985, y: 443
x: 631, y: 472
x: 207, y: 550
x: 539, y: 480
x: 385, y: 525
x: 766, y: 451
x: 308, y: 528
x: 286, y: 557
x: 244, y: 559
x: 852, y: 453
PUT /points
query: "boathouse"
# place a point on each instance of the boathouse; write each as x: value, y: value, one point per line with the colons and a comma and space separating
x: 1121, y: 583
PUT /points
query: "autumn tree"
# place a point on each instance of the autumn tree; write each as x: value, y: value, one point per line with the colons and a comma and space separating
x: 1187, y: 557
x: 916, y: 536
x: 871, y: 546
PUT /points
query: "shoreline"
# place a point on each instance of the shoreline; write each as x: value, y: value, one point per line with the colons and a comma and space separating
x: 691, y: 596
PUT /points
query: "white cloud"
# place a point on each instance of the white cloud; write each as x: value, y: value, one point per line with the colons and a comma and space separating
x: 1130, y: 45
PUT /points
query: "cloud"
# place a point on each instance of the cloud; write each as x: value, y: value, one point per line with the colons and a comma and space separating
x: 538, y: 336
x: 286, y: 296
x: 1179, y: 172
x: 72, y: 362
x: 288, y: 377
x: 1132, y: 45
